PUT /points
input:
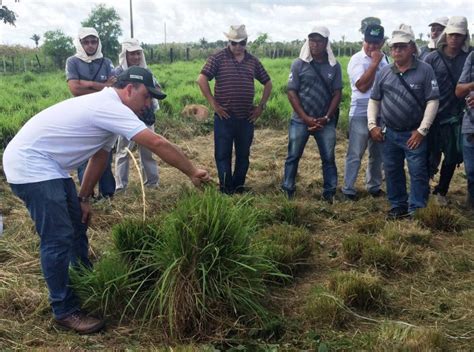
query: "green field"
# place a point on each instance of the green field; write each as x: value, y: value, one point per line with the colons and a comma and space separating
x: 26, y: 94
x: 256, y: 272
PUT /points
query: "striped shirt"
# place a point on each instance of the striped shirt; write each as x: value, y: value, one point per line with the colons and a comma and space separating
x: 449, y: 104
x: 234, y: 89
x: 312, y: 92
x: 399, y: 109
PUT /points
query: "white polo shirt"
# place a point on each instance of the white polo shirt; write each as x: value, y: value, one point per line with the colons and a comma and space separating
x: 358, y: 64
x: 67, y: 134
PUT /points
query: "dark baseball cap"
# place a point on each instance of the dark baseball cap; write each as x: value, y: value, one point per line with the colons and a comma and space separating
x: 374, y: 33
x: 142, y: 75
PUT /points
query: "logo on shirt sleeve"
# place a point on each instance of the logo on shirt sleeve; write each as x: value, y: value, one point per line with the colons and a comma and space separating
x: 290, y: 77
x: 434, y: 84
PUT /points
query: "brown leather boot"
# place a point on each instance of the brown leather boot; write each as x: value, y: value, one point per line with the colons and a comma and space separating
x: 81, y: 323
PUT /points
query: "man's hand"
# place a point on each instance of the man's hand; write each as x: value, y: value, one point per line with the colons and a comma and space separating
x: 415, y: 140
x: 256, y: 113
x: 376, y: 134
x: 199, y: 177
x: 86, y: 213
x: 470, y: 100
x: 313, y: 124
x: 110, y: 82
x: 376, y: 56
x: 220, y: 111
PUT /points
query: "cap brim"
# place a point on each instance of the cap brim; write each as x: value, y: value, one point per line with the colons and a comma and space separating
x: 134, y: 48
x: 157, y: 94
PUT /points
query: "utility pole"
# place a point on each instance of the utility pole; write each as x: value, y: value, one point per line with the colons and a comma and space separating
x: 165, y: 34
x: 131, y: 20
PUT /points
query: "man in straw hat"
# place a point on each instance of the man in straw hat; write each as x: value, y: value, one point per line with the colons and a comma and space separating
x: 406, y: 95
x: 362, y: 68
x: 132, y: 55
x: 314, y: 92
x: 88, y: 71
x: 234, y: 70
x: 436, y: 28
x: 445, y: 137
x: 37, y: 163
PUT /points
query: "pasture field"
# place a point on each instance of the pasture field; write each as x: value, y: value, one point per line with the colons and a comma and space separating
x: 348, y: 279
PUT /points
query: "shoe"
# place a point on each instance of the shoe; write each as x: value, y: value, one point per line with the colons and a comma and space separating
x: 328, y: 198
x: 351, y: 197
x: 397, y: 213
x: 242, y: 190
x: 81, y: 323
x: 377, y: 194
x: 441, y: 200
x: 289, y: 194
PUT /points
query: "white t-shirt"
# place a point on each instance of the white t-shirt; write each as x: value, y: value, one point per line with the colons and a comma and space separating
x: 358, y: 64
x: 67, y: 134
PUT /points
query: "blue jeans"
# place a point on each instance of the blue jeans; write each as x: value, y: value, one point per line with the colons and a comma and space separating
x: 326, y: 141
x: 227, y: 133
x: 358, y: 142
x: 106, y: 181
x: 55, y: 209
x: 394, y: 153
x: 468, y: 154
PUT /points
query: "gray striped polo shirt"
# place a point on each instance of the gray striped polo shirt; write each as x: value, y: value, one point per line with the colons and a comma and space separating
x: 399, y: 109
x: 312, y: 92
x: 467, y: 76
x: 449, y: 104
x: 99, y: 70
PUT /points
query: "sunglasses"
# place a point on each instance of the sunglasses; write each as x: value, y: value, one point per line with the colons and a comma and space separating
x: 399, y: 47
x: 241, y: 43
x: 89, y: 42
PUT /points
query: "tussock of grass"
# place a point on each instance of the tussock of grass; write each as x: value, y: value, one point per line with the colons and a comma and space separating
x: 322, y: 309
x: 395, y: 337
x: 192, y: 272
x: 358, y: 290
x: 369, y: 224
x: 411, y: 233
x: 385, y: 257
x: 439, y: 218
x: 287, y: 245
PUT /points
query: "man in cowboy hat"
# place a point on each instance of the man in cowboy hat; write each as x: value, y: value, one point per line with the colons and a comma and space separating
x: 88, y: 71
x: 444, y: 137
x: 437, y: 27
x: 132, y: 55
x: 37, y: 163
x: 314, y: 92
x: 406, y: 95
x: 362, y: 68
x: 234, y: 70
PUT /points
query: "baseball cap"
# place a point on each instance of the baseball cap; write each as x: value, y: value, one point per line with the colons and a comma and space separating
x: 443, y: 21
x: 374, y: 33
x: 456, y: 24
x: 142, y: 75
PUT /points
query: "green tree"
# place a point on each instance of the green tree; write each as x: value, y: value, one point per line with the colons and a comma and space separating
x: 58, y: 46
x: 7, y: 15
x: 106, y: 21
x: 36, y: 38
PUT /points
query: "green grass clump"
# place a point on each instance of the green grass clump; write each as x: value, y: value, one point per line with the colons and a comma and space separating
x: 395, y: 337
x: 192, y: 272
x: 359, y: 290
x: 323, y: 309
x: 439, y: 218
x: 287, y: 245
x: 353, y: 246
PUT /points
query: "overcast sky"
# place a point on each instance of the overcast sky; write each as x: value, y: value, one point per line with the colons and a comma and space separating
x: 190, y: 20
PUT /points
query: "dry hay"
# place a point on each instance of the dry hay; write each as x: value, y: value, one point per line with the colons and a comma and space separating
x: 196, y: 111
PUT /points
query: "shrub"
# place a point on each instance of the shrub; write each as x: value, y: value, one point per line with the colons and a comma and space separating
x: 358, y: 290
x: 323, y: 309
x: 441, y: 218
x: 287, y: 245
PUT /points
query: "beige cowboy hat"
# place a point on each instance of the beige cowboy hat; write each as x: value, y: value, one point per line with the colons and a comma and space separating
x: 237, y: 33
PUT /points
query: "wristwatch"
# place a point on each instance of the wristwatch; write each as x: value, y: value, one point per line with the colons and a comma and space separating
x: 84, y: 199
